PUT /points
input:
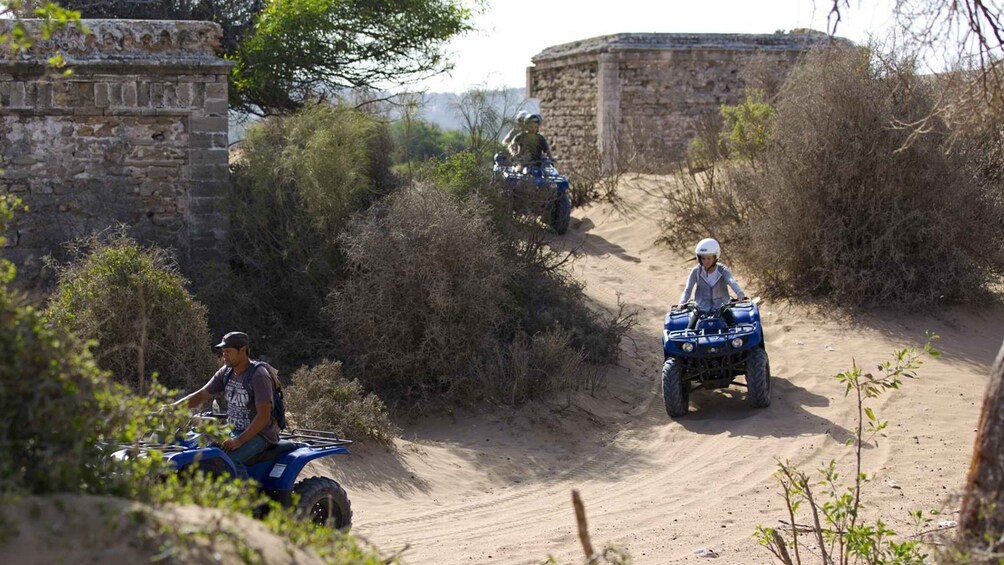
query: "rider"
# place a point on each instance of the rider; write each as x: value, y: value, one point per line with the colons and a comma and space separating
x: 529, y: 146
x: 516, y: 130
x: 249, y: 415
x: 710, y: 279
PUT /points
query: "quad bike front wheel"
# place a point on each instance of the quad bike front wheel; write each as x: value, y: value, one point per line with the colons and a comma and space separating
x: 758, y: 379
x: 561, y: 214
x: 675, y: 391
x: 324, y: 502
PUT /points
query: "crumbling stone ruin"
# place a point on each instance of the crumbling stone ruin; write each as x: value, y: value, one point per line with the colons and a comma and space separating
x: 633, y: 101
x: 137, y: 135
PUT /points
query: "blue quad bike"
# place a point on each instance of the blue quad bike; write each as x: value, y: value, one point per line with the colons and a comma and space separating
x: 548, y: 189
x: 277, y: 469
x: 720, y: 346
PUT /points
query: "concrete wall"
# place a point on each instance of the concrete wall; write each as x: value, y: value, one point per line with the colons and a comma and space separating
x: 634, y: 101
x: 137, y: 135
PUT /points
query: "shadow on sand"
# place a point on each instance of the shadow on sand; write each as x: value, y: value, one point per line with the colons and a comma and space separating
x: 375, y: 467
x: 597, y: 246
x: 726, y: 411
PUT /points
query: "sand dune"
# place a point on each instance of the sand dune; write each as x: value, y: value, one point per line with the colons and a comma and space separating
x: 478, y: 489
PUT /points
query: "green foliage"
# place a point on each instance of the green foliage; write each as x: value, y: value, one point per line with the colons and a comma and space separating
x: 52, y: 18
x: 322, y: 398
x: 747, y: 127
x: 841, y: 534
x: 133, y: 302
x: 418, y: 140
x: 302, y: 49
x: 64, y: 416
x: 459, y: 172
x: 297, y: 181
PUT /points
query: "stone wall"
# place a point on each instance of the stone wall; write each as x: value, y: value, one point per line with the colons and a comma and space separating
x: 634, y: 101
x: 137, y: 135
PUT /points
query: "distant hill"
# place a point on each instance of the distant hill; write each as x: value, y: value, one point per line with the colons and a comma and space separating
x: 438, y: 108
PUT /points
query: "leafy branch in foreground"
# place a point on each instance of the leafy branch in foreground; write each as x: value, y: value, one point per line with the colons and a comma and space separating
x: 840, y: 534
x: 15, y: 36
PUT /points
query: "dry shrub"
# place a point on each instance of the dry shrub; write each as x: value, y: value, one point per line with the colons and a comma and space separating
x: 840, y: 207
x: 320, y: 397
x: 425, y: 295
x: 531, y: 367
x: 132, y: 301
x: 298, y: 180
x: 455, y: 301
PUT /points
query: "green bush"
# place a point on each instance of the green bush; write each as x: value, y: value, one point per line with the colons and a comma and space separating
x: 133, y: 302
x: 459, y: 172
x: 320, y: 397
x: 747, y: 127
x: 297, y: 181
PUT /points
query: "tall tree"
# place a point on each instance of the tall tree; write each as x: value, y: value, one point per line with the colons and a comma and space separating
x: 288, y: 52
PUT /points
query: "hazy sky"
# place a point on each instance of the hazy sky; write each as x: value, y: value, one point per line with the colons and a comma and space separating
x: 510, y: 32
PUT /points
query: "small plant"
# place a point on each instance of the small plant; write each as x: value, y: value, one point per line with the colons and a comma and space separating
x: 320, y: 397
x: 839, y: 532
x: 748, y: 127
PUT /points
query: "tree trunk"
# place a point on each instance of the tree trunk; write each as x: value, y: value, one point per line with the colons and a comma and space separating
x: 981, y: 518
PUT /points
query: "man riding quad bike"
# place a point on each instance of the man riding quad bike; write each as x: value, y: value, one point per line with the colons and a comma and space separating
x: 537, y: 187
x: 711, y: 340
x: 276, y: 470
x: 531, y: 178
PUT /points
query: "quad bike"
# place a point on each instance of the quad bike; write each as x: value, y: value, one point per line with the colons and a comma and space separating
x: 322, y: 500
x: 547, y: 187
x: 710, y: 349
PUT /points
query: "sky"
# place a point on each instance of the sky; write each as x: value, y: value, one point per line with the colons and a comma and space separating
x: 510, y: 32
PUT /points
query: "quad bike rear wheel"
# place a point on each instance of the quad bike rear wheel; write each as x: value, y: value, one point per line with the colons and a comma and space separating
x: 324, y: 502
x: 675, y: 391
x: 758, y: 379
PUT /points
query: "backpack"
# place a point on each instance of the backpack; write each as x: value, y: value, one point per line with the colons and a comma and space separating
x: 278, y: 400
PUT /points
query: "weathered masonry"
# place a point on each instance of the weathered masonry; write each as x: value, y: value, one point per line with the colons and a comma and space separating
x: 634, y: 101
x: 137, y: 135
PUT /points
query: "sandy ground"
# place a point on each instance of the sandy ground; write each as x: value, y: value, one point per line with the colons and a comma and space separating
x: 476, y: 489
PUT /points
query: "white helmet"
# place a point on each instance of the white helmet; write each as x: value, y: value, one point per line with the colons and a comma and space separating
x: 708, y: 247
x: 522, y: 116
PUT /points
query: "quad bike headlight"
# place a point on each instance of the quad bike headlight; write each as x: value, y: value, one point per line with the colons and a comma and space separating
x: 687, y: 347
x: 737, y: 342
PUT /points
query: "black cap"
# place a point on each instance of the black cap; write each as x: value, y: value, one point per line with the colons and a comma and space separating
x: 235, y: 340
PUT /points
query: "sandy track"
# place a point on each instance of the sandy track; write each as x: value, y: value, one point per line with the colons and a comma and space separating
x: 496, y: 489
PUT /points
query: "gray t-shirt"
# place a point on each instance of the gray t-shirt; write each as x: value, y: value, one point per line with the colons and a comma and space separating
x: 241, y: 408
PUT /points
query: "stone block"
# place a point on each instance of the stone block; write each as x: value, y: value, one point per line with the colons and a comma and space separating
x: 129, y: 94
x: 209, y: 172
x: 208, y: 124
x: 209, y: 157
x: 17, y: 95
x: 101, y: 95
x: 143, y: 94
x: 215, y: 106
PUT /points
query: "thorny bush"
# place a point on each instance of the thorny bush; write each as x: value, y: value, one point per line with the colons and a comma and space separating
x: 843, y: 206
